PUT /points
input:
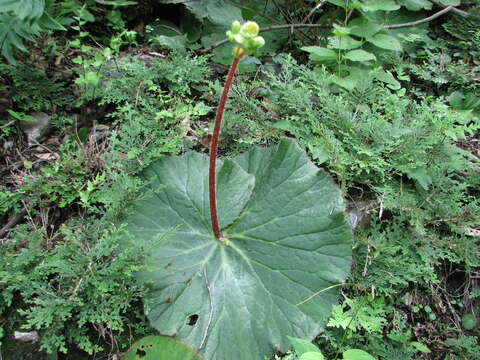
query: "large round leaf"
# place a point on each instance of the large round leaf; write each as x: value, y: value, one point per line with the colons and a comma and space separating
x: 286, y: 241
x: 160, y: 348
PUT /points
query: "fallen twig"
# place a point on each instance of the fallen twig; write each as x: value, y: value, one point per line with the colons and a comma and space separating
x: 13, y: 221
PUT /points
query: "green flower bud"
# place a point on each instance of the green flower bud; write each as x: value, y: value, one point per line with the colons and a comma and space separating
x: 235, y: 28
x: 245, y: 36
x: 259, y: 41
x: 250, y: 29
x: 239, y: 39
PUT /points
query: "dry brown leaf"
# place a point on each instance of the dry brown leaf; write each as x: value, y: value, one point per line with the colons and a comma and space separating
x: 46, y: 156
x: 471, y: 231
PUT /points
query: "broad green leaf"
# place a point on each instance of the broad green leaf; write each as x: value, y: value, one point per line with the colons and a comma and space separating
x: 12, y: 32
x: 420, y: 347
x: 385, y: 41
x: 469, y: 322
x: 470, y: 101
x: 223, y: 13
x: 302, y: 346
x: 85, y: 15
x: 116, y: 2
x: 456, y: 99
x: 415, y: 5
x: 384, y: 5
x: 364, y: 28
x: 163, y: 27
x: 448, y: 2
x: 357, y: 354
x: 312, y: 356
x: 343, y: 43
x: 46, y: 21
x: 351, y: 80
x: 20, y: 116
x: 284, y: 125
x: 165, y: 33
x: 347, y: 4
x: 172, y: 42
x: 346, y: 82
x: 24, y: 9
x: 340, y: 30
x: 359, y: 55
x: 387, y: 78
x: 91, y: 78
x: 158, y: 347
x: 318, y: 53
x: 286, y: 240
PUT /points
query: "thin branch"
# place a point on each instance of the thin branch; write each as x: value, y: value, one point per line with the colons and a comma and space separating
x: 13, y: 221
x: 7, y: 124
x: 300, y: 26
x: 460, y: 12
x: 318, y: 6
x: 268, y: 28
x: 421, y: 21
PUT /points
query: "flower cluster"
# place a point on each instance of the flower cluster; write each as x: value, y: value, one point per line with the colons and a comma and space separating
x: 246, y: 37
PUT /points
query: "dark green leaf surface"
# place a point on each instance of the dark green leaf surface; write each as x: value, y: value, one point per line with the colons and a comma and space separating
x: 287, y: 239
x: 160, y: 348
x: 302, y: 346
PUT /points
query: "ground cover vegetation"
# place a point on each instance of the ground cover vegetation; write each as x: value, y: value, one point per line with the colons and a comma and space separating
x: 383, y: 95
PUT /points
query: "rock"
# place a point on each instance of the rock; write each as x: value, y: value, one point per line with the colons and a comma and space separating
x: 8, y: 145
x: 26, y: 336
x: 36, y: 130
x: 359, y: 212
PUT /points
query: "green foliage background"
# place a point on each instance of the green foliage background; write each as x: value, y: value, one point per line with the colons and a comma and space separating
x: 404, y: 152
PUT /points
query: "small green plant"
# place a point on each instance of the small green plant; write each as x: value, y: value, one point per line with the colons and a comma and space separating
x: 33, y: 90
x: 351, y: 50
x: 308, y: 351
x: 279, y: 224
x: 74, y: 291
x: 91, y: 60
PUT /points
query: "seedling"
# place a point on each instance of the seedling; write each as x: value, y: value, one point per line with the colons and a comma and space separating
x: 257, y: 260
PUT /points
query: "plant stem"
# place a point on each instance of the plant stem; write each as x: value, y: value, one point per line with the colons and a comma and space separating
x: 214, y: 146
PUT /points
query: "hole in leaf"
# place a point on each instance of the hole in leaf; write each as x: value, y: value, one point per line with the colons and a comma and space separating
x: 192, y: 319
x: 141, y: 353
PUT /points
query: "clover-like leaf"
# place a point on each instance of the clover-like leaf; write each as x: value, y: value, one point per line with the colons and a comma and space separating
x: 286, y: 241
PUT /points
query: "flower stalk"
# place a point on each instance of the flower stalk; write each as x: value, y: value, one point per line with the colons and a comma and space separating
x: 214, y: 147
x: 247, y: 40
